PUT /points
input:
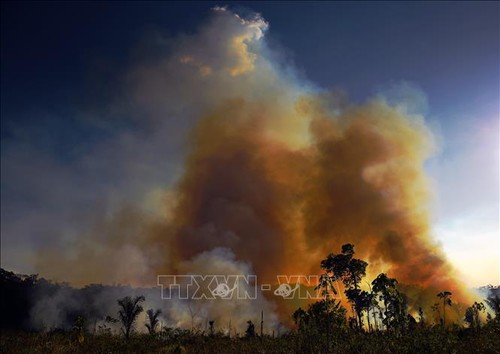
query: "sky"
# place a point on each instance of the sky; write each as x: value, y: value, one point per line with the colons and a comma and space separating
x: 66, y: 68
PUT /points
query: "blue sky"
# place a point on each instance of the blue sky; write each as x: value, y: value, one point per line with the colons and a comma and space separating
x: 62, y: 66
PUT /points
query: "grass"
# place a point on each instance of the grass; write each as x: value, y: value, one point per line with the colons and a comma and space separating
x: 420, y: 340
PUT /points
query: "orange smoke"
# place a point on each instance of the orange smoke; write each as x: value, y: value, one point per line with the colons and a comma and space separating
x: 283, y: 209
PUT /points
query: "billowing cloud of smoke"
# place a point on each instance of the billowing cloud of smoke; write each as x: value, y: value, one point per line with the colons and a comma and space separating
x: 277, y: 175
x: 59, y: 305
x: 220, y: 261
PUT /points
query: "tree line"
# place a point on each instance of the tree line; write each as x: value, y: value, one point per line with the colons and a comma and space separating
x: 384, y: 306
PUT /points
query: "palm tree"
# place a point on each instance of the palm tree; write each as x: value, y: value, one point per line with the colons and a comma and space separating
x: 130, y: 309
x: 445, y: 295
x: 153, y: 320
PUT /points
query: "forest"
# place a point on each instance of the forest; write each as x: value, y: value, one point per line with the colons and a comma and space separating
x: 381, y: 320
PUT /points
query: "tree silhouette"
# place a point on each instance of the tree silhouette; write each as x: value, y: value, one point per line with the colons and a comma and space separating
x: 349, y: 270
x: 301, y: 319
x: 326, y: 285
x: 394, y: 301
x: 153, y: 321
x: 383, y: 285
x: 445, y: 296
x: 356, y: 298
x: 494, y: 303
x: 319, y: 319
x: 368, y: 302
x: 326, y: 313
x: 472, y: 315
x: 130, y: 309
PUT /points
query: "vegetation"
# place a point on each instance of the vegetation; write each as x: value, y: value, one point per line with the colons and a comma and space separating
x: 421, y: 340
x: 326, y: 326
x: 445, y: 296
x: 153, y: 320
x: 350, y: 271
x: 472, y: 315
x: 130, y: 309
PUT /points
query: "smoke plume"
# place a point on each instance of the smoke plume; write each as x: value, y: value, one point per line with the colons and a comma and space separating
x: 276, y: 174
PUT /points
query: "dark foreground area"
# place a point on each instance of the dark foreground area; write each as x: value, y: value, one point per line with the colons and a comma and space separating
x: 420, y: 340
x: 379, y: 321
